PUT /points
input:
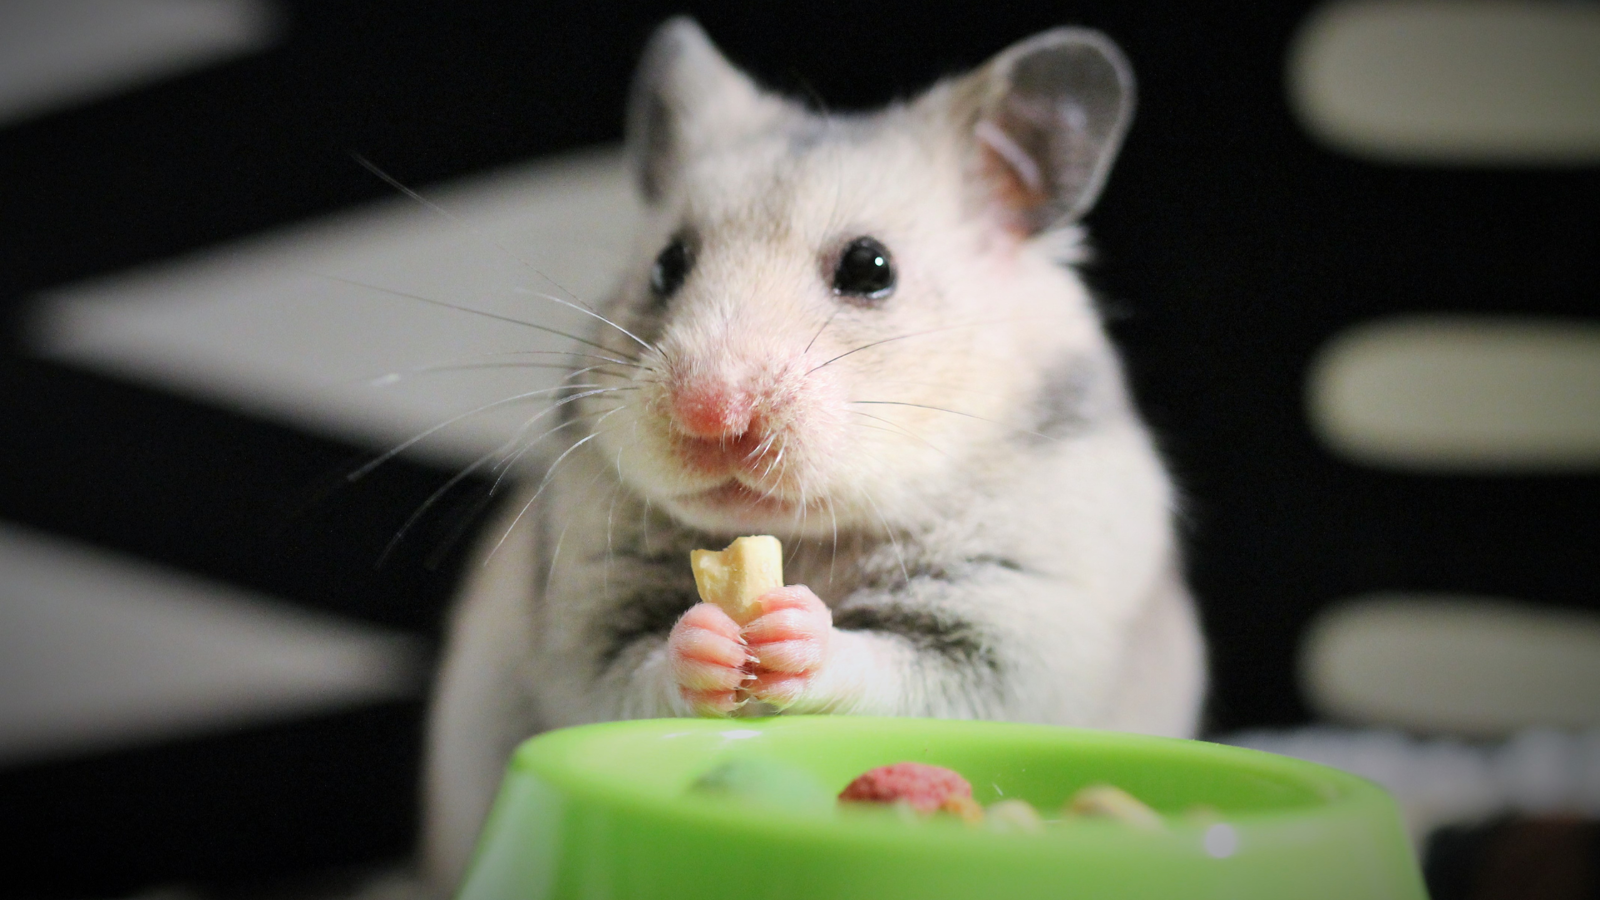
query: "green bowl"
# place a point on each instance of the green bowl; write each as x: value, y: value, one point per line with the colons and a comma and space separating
x: 605, y: 811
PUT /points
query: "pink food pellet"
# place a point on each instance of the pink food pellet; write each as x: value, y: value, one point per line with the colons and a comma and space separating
x: 925, y: 788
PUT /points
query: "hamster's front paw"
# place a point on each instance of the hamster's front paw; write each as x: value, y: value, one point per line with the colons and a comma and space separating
x: 709, y: 660
x: 790, y: 642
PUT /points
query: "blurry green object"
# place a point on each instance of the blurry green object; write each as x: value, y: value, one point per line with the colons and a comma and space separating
x: 764, y: 782
x: 610, y: 811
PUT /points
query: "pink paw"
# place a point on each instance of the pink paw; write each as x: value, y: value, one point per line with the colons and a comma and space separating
x: 709, y: 660
x: 719, y: 666
x: 789, y: 642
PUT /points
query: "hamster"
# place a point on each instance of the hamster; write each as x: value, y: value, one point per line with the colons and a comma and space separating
x: 862, y: 334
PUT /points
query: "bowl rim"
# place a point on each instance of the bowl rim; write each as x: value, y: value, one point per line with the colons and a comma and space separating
x: 1339, y: 794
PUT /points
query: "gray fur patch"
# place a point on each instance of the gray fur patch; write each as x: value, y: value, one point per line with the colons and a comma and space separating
x: 1069, y: 399
x: 647, y: 614
x: 956, y: 640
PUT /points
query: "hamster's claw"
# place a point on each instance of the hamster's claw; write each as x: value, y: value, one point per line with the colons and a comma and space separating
x: 708, y: 659
x: 714, y: 704
x: 790, y: 641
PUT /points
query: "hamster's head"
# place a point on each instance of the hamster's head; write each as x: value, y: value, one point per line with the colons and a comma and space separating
x: 830, y: 318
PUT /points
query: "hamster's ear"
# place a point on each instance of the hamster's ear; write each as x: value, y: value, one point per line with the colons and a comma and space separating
x: 1050, y: 113
x: 685, y: 96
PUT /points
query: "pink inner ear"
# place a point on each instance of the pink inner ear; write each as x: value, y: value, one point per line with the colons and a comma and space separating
x: 1016, y: 183
x: 1001, y: 143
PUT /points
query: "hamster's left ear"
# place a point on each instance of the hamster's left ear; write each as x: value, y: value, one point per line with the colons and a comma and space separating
x: 1047, y: 117
x: 686, y: 97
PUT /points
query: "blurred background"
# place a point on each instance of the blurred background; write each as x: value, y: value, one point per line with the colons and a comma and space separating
x: 1351, y: 252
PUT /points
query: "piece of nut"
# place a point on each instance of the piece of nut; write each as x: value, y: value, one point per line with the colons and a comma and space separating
x: 1014, y: 815
x: 1103, y: 800
x: 734, y: 578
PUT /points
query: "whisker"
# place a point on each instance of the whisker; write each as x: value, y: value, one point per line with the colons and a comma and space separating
x: 833, y: 556
x: 591, y: 313
x: 456, y: 479
x: 901, y: 337
x: 762, y: 447
x: 773, y: 464
x: 464, y: 521
x: 389, y: 378
x: 569, y: 354
x: 543, y: 483
x: 885, y: 431
x: 893, y: 541
x: 644, y: 525
x: 506, y: 465
x: 611, y: 515
x: 396, y: 377
x: 571, y: 358
x: 956, y: 412
x: 461, y: 223
x: 403, y: 446
x: 941, y: 386
x: 805, y: 514
x: 435, y: 497
x: 555, y: 555
x: 444, y: 304
x: 509, y: 459
x: 902, y: 429
x: 825, y: 324
x: 600, y: 368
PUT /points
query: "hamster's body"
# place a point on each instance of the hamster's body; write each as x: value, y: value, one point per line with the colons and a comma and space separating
x: 976, y: 516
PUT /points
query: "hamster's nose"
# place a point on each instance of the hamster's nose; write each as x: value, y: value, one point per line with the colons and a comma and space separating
x: 711, y: 411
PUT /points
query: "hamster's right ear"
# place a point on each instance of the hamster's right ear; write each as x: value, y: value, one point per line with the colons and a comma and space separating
x: 1047, y: 117
x: 685, y: 97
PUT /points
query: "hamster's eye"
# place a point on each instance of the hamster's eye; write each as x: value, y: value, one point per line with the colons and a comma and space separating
x: 865, y: 270
x: 672, y: 266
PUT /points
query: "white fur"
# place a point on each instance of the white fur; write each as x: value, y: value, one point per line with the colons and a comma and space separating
x: 1085, y: 622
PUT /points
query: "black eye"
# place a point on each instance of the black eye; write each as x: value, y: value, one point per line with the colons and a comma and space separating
x: 671, y: 267
x: 865, y: 270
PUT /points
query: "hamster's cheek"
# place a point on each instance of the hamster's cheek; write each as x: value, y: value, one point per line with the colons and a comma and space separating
x: 634, y: 445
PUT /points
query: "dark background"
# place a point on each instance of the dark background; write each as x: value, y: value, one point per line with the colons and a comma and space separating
x: 1229, y: 248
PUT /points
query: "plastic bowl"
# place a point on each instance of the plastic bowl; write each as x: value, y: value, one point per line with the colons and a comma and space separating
x: 605, y: 811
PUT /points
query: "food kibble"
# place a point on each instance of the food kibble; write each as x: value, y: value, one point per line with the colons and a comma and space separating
x: 735, y: 578
x: 924, y: 788
x: 1014, y: 815
x: 966, y: 809
x: 918, y: 791
x: 1108, y: 802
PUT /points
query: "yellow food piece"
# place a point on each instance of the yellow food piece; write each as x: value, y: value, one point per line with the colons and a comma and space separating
x: 1015, y: 815
x: 966, y: 808
x: 1105, y: 801
x: 734, y: 578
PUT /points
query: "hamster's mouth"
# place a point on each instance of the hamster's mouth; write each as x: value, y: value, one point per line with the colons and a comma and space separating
x: 735, y: 496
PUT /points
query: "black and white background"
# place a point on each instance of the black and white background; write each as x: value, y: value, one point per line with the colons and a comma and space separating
x: 211, y: 671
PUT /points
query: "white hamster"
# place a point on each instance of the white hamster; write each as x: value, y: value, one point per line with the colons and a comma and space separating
x: 862, y: 334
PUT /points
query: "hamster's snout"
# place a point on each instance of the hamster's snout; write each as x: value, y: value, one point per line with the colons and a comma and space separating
x: 754, y: 419
x: 727, y: 422
x: 711, y: 410
x: 741, y: 431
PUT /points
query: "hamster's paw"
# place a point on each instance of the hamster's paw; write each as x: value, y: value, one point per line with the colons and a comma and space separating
x: 709, y: 660
x: 790, y: 642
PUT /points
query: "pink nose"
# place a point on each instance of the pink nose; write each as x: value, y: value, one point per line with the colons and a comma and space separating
x: 711, y: 411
